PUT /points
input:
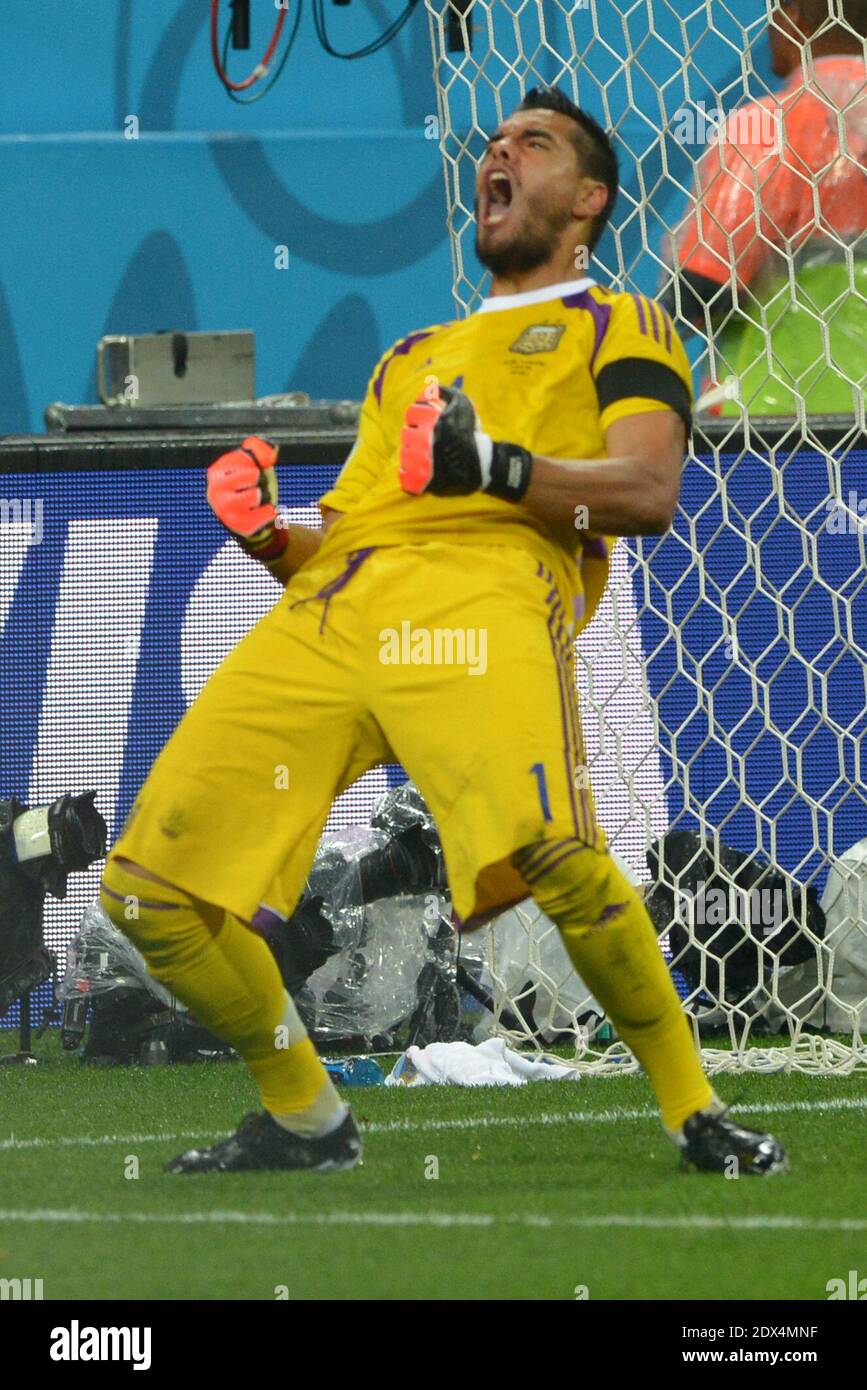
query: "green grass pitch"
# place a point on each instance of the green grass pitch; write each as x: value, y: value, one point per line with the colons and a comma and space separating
x: 541, y: 1191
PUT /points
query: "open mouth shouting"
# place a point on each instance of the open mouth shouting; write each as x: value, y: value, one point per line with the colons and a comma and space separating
x: 496, y: 198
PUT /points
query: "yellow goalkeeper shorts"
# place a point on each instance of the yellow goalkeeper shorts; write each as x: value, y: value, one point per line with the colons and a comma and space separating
x: 454, y: 660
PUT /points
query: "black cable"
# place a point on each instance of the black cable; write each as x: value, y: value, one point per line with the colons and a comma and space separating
x: 375, y: 44
x: 366, y: 51
x: 275, y: 77
x: 240, y: 24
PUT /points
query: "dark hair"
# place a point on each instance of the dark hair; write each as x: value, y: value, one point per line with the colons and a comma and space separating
x: 853, y: 14
x: 596, y: 157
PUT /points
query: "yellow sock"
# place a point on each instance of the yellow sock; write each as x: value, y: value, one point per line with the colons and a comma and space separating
x: 612, y: 944
x: 289, y: 1080
x: 229, y: 980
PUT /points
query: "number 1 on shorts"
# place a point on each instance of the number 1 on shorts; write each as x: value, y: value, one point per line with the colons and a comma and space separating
x: 538, y: 770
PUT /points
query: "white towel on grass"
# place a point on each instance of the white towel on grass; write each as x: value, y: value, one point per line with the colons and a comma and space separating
x: 489, y: 1063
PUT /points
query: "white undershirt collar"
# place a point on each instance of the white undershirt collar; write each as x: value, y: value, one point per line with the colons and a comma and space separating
x: 540, y: 296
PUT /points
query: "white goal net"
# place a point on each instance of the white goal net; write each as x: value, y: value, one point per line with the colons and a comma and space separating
x: 723, y: 682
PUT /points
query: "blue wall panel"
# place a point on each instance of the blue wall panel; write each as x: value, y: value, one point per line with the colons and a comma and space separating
x: 177, y: 229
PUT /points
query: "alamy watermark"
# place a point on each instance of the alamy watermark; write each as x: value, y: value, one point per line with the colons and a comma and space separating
x: 21, y: 1290
x: 713, y: 905
x: 22, y: 514
x: 852, y: 1287
x: 747, y: 126
x: 846, y: 518
x: 77, y: 1343
x: 435, y: 646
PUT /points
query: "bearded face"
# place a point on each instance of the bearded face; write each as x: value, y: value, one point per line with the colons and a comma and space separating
x: 525, y: 192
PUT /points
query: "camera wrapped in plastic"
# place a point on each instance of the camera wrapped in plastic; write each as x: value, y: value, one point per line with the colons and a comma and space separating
x: 39, y: 848
x: 370, y: 952
x: 129, y: 1011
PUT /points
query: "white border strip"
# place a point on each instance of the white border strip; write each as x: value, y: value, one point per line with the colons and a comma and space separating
x: 625, y: 1221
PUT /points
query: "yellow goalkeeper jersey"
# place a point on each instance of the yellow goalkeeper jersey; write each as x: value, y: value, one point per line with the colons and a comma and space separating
x: 549, y: 369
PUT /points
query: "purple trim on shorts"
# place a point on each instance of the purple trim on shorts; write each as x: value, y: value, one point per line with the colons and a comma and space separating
x: 572, y: 727
x: 582, y: 820
x: 573, y: 744
x: 568, y: 688
x: 355, y: 560
x: 556, y: 624
x: 600, y: 314
x: 400, y: 351
x: 266, y: 920
x: 564, y: 723
x: 579, y: 603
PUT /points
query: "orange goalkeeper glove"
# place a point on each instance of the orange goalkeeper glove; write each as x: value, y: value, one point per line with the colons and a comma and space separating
x: 444, y: 451
x: 242, y: 493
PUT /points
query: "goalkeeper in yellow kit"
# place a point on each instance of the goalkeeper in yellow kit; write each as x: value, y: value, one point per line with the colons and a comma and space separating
x: 497, y: 459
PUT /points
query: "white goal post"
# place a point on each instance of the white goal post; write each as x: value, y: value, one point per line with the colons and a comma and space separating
x: 723, y: 682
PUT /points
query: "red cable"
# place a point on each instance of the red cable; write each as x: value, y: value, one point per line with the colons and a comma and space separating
x: 260, y: 70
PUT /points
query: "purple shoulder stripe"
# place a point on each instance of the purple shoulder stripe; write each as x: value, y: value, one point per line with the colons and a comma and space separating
x: 655, y: 315
x: 600, y: 314
x: 642, y: 317
x: 666, y: 323
x: 401, y: 350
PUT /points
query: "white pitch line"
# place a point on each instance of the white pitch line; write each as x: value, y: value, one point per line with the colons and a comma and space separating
x: 564, y: 1117
x: 605, y: 1117
x: 475, y: 1220
x: 74, y: 1141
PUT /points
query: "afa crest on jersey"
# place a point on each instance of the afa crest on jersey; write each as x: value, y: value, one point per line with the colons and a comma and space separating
x: 539, y: 337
